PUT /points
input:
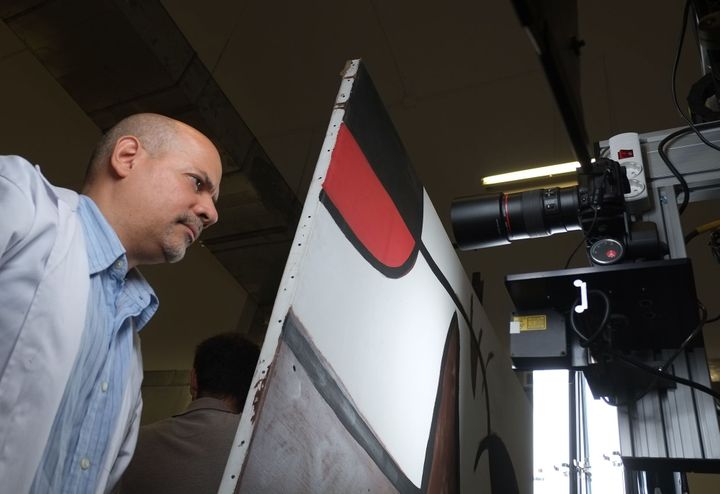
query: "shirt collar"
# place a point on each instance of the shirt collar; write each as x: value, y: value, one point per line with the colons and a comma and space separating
x: 106, y: 254
x: 103, y: 245
x: 206, y: 403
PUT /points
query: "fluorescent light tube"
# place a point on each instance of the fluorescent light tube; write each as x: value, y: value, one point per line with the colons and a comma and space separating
x: 543, y: 171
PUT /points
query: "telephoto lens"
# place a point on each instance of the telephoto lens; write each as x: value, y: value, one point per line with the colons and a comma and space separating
x: 488, y: 221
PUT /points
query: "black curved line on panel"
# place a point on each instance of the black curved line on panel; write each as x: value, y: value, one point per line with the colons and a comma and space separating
x: 503, y: 479
x: 389, y: 271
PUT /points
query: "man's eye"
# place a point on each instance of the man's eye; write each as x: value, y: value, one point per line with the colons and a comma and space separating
x: 198, y: 183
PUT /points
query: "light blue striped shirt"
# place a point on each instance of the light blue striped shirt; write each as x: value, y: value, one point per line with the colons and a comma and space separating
x: 120, y: 302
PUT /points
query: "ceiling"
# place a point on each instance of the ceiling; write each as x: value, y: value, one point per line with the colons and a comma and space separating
x: 459, y: 78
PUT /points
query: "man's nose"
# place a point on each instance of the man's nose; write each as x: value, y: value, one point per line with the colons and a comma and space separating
x: 207, y: 211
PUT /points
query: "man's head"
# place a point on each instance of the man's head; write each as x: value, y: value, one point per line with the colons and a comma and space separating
x: 155, y: 180
x: 223, y: 368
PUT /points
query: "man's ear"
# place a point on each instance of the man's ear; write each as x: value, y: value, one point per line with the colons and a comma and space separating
x: 125, y: 152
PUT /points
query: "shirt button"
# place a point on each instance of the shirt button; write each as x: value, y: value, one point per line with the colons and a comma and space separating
x: 118, y: 264
x: 104, y: 386
x: 84, y: 463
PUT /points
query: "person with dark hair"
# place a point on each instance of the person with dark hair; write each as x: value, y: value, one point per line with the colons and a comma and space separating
x: 187, y: 453
x: 223, y: 368
x: 73, y: 301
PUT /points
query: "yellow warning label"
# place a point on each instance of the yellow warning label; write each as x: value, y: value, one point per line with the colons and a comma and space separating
x: 531, y: 323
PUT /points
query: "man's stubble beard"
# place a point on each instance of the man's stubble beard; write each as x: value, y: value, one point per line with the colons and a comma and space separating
x: 173, y: 246
x: 174, y: 249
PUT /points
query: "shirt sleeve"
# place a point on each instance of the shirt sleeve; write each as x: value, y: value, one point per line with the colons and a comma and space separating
x: 17, y: 209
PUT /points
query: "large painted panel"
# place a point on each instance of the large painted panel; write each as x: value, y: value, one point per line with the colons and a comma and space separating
x: 380, y: 371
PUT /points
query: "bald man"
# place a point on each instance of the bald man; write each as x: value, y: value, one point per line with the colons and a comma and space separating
x: 72, y: 300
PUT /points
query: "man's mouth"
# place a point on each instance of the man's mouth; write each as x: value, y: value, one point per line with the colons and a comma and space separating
x: 194, y: 231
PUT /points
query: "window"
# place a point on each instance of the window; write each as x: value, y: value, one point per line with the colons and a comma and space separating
x: 598, y: 468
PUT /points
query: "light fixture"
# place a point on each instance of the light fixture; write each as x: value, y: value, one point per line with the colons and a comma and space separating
x: 532, y: 173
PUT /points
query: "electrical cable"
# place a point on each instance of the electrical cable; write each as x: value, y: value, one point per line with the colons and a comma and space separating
x: 686, y: 12
x: 636, y: 395
x: 595, y: 206
x: 661, y: 372
x: 658, y: 373
x: 714, y: 244
x: 586, y: 236
x: 676, y: 63
x: 671, y: 167
x: 692, y: 126
x: 665, y: 375
x: 668, y: 163
x: 702, y: 229
x: 691, y: 336
x: 634, y: 399
x: 587, y: 341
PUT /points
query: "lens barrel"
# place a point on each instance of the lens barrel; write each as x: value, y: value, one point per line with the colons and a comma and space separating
x: 489, y: 221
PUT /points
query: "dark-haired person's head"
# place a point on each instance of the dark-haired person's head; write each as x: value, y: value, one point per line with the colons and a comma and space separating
x: 223, y: 368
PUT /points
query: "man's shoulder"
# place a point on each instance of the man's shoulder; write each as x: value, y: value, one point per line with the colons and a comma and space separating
x: 17, y: 170
x: 27, y: 178
x: 190, y: 422
x: 156, y: 426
